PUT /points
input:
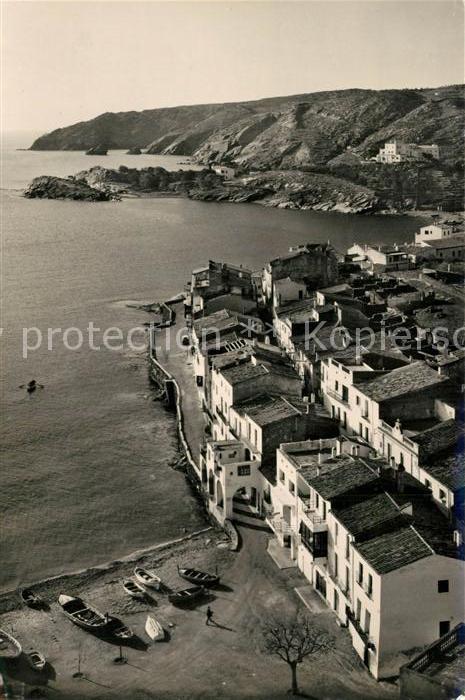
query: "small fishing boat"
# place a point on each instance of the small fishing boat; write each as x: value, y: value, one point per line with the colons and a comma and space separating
x: 147, y: 577
x: 31, y: 599
x: 133, y: 588
x: 36, y: 659
x: 154, y: 629
x: 82, y: 614
x: 186, y: 595
x: 118, y: 629
x: 201, y: 578
x: 9, y: 646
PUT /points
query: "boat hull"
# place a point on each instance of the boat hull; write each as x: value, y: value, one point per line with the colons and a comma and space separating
x: 150, y: 580
x: 10, y: 648
x: 74, y: 612
x: 186, y: 596
x: 199, y: 578
x: 154, y: 629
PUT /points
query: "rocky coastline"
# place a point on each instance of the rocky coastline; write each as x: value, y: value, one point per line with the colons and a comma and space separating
x: 280, y: 189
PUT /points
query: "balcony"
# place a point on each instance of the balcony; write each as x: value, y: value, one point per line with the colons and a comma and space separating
x: 316, y: 521
x: 334, y: 394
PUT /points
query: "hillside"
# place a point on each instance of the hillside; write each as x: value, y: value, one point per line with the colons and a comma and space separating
x: 331, y: 133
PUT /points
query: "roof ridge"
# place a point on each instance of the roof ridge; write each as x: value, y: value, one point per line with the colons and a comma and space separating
x: 422, y: 539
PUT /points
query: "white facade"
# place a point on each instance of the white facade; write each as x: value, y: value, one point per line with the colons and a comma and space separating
x: 224, y: 171
x: 398, y: 152
x: 433, y: 232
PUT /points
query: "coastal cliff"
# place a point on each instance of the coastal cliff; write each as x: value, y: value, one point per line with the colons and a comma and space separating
x: 327, y: 136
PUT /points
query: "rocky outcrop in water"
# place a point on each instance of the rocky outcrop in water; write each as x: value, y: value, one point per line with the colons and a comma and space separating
x: 135, y: 151
x: 48, y: 187
x: 97, y: 151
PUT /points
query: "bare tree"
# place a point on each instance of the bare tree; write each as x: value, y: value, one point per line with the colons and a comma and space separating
x: 294, y: 639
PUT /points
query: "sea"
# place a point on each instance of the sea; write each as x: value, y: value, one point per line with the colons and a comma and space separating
x: 85, y: 461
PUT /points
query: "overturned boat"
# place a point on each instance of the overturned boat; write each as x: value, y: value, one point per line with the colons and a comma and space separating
x: 201, y: 578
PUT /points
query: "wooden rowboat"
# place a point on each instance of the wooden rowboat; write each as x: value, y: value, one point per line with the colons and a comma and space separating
x: 9, y: 646
x: 186, y: 595
x: 154, y: 629
x: 31, y: 599
x: 36, y: 660
x: 147, y: 577
x: 200, y: 578
x: 133, y: 588
x: 118, y: 629
x: 82, y: 614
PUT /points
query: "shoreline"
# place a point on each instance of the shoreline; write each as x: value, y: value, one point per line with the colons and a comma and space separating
x: 99, y: 570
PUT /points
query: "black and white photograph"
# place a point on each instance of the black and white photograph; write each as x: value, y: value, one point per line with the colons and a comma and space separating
x: 232, y: 350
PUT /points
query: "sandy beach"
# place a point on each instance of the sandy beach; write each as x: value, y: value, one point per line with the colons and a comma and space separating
x: 196, y: 661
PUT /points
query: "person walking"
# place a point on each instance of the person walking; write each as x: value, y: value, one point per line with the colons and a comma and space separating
x: 209, y: 615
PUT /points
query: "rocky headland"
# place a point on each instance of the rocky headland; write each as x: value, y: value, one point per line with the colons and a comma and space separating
x: 304, y: 151
x: 50, y: 187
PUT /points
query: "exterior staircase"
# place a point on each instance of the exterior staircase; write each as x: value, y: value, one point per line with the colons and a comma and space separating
x: 245, y: 514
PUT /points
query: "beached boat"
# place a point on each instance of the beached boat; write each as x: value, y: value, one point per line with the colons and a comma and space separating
x: 82, y: 614
x: 133, y: 588
x: 186, y: 595
x: 118, y: 629
x: 147, y: 577
x: 9, y: 646
x: 31, y: 599
x: 36, y: 660
x: 154, y: 629
x: 201, y: 578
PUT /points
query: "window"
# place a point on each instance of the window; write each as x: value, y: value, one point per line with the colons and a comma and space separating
x: 336, y: 532
x: 317, y: 501
x: 357, y: 400
x: 370, y: 585
x: 442, y: 495
x: 256, y: 437
x: 360, y: 429
x: 336, y: 600
x: 345, y: 394
x: 443, y: 585
x: 367, y: 435
x: 360, y: 573
x: 347, y: 578
x: 336, y: 565
x: 444, y: 627
x: 358, y: 610
x: 428, y: 483
x: 336, y: 385
x: 401, y: 459
x: 347, y: 546
x: 244, y: 470
x: 367, y: 622
x: 291, y: 487
x: 281, y: 476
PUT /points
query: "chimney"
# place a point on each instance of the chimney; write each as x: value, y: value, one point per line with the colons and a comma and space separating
x: 400, y: 472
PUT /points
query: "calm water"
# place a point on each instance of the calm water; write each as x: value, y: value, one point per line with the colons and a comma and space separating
x: 84, y: 461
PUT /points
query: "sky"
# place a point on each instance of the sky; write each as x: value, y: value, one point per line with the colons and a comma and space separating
x: 67, y: 61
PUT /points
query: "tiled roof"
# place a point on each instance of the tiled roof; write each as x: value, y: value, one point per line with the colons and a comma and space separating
x: 438, y: 438
x: 243, y: 372
x: 452, y: 242
x: 393, y: 550
x: 339, y: 475
x: 367, y: 514
x: 403, y: 380
x: 265, y: 409
x: 449, y: 469
x: 210, y: 321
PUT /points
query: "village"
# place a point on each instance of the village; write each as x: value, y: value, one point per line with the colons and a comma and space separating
x: 319, y: 408
x: 345, y: 444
